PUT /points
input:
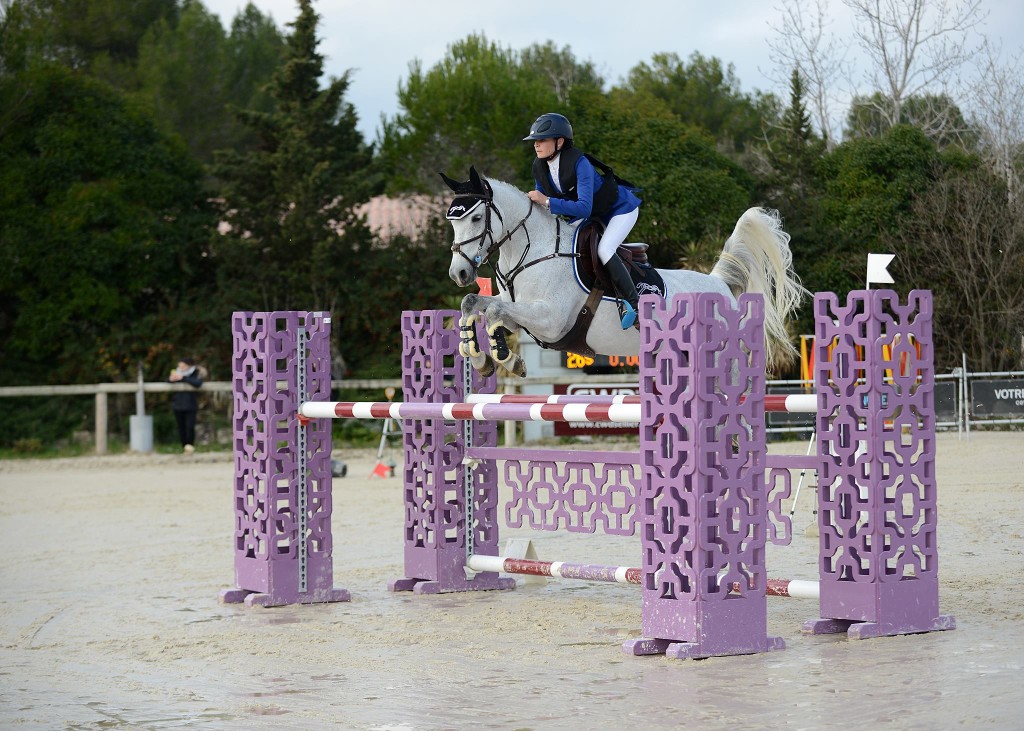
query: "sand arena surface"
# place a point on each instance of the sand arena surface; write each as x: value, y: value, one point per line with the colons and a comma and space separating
x: 109, y: 619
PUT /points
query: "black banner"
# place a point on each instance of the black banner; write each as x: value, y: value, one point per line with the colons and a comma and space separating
x: 1004, y: 397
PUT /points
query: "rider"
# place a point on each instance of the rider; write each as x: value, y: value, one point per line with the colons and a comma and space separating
x: 568, y: 185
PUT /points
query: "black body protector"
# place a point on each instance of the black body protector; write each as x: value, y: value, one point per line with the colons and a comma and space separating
x: 604, y: 197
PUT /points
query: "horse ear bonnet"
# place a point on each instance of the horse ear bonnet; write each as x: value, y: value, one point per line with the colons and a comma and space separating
x: 473, y: 192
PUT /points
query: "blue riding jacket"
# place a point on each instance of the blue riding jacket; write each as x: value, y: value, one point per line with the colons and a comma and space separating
x: 576, y: 201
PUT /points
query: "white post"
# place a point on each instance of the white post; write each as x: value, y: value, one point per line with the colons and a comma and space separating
x: 101, y: 422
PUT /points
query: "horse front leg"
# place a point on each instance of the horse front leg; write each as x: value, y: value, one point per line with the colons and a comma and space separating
x: 469, y: 347
x: 504, y: 318
x: 500, y: 352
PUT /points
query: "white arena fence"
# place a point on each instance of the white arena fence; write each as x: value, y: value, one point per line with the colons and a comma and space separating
x: 964, y: 400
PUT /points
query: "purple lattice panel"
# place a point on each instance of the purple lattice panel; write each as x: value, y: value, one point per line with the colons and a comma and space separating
x: 702, y: 449
x: 572, y: 490
x: 275, y: 562
x: 434, y: 473
x: 779, y: 488
x: 876, y: 445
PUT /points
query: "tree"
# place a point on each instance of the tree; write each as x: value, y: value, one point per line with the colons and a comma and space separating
x: 937, y: 115
x: 102, y: 229
x: 915, y: 48
x: 965, y: 241
x: 802, y: 44
x: 869, y: 185
x: 295, y: 239
x: 255, y: 51
x: 181, y: 72
x: 561, y: 69
x: 998, y: 103
x: 473, y: 108
x: 99, y: 37
x: 196, y: 77
x: 790, y: 178
x: 703, y: 94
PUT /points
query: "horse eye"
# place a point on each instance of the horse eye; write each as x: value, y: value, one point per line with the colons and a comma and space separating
x: 477, y: 218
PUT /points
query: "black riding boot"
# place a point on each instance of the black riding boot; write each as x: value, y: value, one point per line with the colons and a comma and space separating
x: 626, y: 291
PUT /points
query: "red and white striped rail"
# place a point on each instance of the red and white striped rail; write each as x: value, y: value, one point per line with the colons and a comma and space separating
x: 515, y: 407
x: 793, y: 403
x: 796, y: 588
x: 616, y: 413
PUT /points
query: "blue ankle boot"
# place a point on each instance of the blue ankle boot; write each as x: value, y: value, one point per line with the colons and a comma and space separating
x: 628, y: 315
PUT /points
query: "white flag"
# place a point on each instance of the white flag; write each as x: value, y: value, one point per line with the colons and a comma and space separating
x: 877, y: 269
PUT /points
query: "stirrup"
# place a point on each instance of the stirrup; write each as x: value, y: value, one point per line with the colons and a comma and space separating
x: 627, y: 314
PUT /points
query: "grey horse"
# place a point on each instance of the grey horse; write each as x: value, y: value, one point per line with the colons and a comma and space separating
x: 492, y: 219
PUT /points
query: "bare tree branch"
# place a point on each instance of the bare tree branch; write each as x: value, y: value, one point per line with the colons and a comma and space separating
x: 915, y: 48
x: 802, y: 42
x: 997, y: 102
x: 966, y: 242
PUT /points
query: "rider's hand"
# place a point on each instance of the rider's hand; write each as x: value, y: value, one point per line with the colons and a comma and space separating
x: 539, y: 198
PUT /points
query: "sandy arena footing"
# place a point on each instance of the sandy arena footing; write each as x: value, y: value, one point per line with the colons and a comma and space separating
x: 109, y: 619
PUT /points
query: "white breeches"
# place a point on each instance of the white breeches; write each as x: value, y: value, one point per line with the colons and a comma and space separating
x: 615, y: 234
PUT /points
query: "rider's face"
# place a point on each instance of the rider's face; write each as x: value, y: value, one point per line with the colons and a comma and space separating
x: 544, y: 148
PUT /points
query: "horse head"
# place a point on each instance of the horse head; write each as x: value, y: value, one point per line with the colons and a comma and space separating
x: 470, y: 216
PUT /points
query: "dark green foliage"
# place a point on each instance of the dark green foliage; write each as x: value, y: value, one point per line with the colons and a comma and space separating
x: 871, y: 181
x: 704, y: 94
x: 791, y: 182
x: 473, y: 108
x: 936, y: 114
x: 295, y: 241
x: 195, y: 77
x: 102, y: 224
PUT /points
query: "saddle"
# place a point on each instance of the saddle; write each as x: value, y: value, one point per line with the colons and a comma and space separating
x: 589, y: 265
x: 594, y: 276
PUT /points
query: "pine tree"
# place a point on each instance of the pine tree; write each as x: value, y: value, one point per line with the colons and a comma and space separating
x: 290, y: 202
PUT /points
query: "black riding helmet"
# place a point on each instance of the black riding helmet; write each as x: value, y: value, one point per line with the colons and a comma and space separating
x: 550, y: 126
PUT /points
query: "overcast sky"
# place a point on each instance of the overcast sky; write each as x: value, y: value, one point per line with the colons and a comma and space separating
x: 377, y: 39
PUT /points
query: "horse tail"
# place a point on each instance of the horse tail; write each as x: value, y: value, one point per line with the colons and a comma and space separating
x: 756, y: 259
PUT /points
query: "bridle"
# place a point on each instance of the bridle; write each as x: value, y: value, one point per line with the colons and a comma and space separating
x: 504, y: 279
x: 478, y: 260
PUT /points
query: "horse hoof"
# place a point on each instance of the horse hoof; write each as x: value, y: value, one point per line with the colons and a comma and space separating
x: 516, y: 368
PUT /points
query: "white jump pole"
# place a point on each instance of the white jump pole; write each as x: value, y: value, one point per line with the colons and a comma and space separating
x: 796, y: 588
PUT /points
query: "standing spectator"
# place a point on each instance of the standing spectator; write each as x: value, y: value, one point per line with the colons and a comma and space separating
x: 185, y: 404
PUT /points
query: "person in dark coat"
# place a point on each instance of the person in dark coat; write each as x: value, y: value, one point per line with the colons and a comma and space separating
x: 568, y: 184
x: 185, y: 404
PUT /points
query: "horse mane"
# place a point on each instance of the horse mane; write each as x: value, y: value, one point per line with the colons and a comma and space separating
x: 506, y: 188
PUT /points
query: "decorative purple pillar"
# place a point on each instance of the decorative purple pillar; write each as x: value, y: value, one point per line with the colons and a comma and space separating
x: 703, y: 500
x: 435, y: 478
x: 283, y: 542
x: 878, y: 555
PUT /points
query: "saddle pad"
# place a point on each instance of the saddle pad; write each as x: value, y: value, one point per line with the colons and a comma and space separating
x: 648, y: 280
